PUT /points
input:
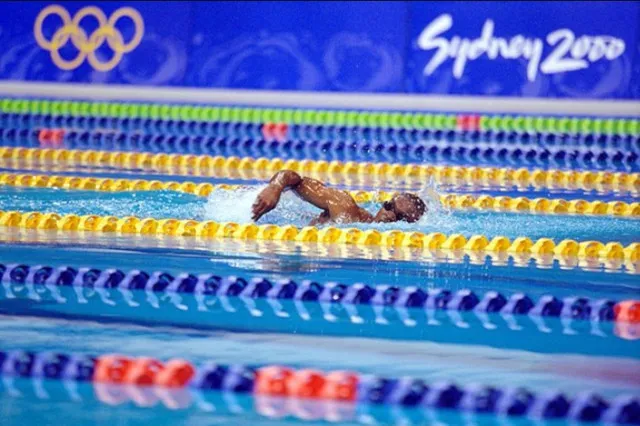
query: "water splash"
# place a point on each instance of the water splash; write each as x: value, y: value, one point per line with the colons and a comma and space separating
x: 430, y: 193
x: 235, y: 206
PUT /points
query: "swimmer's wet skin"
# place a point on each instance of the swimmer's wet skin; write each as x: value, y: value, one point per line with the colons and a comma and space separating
x: 336, y: 205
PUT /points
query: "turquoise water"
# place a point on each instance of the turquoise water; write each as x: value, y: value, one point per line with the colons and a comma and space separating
x: 462, y: 362
x: 542, y: 355
x: 44, y: 403
x: 235, y: 206
x: 227, y: 257
x: 353, y: 182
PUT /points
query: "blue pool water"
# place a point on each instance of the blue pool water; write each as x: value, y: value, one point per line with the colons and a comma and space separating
x: 235, y: 206
x: 340, y: 181
x: 530, y: 354
x: 467, y: 348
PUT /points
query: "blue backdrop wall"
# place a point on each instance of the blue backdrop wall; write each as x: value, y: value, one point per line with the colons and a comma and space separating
x: 553, y: 49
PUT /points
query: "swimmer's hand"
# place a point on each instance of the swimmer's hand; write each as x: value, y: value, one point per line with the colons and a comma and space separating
x: 266, y: 201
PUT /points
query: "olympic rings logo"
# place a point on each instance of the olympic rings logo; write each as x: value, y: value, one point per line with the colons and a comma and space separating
x: 88, y: 45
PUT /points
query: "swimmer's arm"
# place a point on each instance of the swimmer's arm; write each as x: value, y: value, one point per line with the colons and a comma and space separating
x: 310, y: 190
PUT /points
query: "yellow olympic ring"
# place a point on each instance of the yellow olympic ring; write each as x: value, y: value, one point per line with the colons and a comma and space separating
x: 88, y: 45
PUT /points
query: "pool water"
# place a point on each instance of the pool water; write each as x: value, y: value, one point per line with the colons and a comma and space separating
x: 528, y: 354
x: 505, y: 351
x: 235, y: 206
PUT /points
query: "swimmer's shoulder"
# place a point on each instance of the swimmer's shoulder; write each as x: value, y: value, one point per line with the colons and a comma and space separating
x: 351, y: 215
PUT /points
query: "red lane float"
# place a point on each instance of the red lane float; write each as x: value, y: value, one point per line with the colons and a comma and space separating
x: 627, y: 311
x: 51, y: 138
x: 468, y: 122
x: 176, y: 374
x: 112, y: 368
x: 341, y: 386
x: 307, y: 384
x: 268, y: 130
x: 273, y: 380
x: 275, y: 131
x: 118, y: 369
x: 280, y: 132
x: 143, y: 371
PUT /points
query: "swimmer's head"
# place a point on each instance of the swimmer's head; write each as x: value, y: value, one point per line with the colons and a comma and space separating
x: 402, y: 207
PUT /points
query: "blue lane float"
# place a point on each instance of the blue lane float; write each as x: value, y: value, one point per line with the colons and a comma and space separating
x: 119, y: 299
x: 575, y: 308
x: 232, y: 130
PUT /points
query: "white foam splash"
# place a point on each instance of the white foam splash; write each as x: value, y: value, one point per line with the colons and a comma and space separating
x: 230, y: 206
x: 235, y: 206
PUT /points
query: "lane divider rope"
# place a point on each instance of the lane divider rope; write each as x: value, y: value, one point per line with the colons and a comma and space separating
x: 20, y: 129
x: 328, y: 235
x: 468, y: 259
x: 361, y: 149
x: 354, y: 181
x: 226, y: 404
x: 307, y: 383
x: 412, y: 120
x: 441, y: 174
x: 452, y: 201
x: 115, y: 289
x: 575, y: 308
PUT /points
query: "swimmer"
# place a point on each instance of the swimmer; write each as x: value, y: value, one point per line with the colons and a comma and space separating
x: 337, y: 206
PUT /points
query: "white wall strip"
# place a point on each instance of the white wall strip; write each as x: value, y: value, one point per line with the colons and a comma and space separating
x: 321, y: 99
